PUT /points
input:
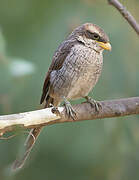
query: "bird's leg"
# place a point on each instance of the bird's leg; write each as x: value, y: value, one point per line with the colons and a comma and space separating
x: 69, y: 109
x: 93, y: 103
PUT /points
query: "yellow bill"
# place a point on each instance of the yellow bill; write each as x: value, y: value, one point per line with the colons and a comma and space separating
x: 106, y: 46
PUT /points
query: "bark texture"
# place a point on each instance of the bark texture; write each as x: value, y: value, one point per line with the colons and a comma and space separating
x: 111, y: 108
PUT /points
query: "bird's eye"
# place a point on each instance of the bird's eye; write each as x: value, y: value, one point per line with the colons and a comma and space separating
x: 95, y: 36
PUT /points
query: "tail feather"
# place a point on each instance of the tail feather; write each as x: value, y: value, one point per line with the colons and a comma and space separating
x: 30, y: 141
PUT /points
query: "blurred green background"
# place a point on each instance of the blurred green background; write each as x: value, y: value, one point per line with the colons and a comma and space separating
x: 30, y: 32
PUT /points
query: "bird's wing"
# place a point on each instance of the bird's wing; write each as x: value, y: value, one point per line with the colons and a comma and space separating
x: 57, y: 61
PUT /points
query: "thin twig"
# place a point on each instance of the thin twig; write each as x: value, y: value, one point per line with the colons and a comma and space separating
x: 112, y: 108
x: 126, y: 14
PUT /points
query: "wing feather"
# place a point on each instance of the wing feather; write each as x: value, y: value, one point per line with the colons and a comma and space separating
x: 57, y: 61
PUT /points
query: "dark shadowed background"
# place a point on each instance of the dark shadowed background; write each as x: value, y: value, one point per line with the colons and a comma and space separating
x: 30, y: 32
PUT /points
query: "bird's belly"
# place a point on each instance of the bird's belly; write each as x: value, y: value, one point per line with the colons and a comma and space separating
x: 83, y: 85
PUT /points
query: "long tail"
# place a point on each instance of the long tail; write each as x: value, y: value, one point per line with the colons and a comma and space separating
x: 30, y: 141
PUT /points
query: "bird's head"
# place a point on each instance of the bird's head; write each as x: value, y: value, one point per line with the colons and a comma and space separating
x: 92, y: 36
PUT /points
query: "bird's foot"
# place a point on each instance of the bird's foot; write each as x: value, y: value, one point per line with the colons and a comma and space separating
x: 93, y: 103
x: 70, y: 112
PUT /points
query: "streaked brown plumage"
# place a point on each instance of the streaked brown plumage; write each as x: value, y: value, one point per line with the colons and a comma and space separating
x: 74, y: 71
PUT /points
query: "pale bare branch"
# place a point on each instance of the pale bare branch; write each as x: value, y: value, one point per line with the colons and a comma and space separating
x: 111, y: 108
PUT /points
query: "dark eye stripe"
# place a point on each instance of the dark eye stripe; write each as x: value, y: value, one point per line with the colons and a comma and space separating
x: 93, y: 35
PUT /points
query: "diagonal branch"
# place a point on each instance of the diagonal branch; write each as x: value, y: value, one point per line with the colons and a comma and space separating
x: 126, y: 14
x: 111, y: 108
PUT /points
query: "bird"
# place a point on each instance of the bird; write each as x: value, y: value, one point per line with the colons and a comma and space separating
x: 74, y: 71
